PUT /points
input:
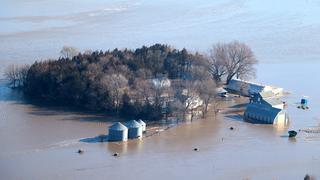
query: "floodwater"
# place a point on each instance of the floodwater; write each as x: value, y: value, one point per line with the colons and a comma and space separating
x: 40, y: 142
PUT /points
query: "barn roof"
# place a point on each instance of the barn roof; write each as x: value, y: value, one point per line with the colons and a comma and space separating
x: 273, y: 101
x: 266, y: 94
x: 118, y: 127
x: 261, y: 110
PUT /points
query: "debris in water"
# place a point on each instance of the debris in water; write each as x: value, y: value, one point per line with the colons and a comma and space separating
x: 304, y: 103
x: 307, y: 177
x: 292, y: 133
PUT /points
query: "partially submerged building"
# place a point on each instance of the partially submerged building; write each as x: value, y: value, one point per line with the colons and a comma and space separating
x: 247, y: 88
x: 134, y: 129
x: 258, y: 113
x: 143, y: 125
x: 265, y: 109
x: 118, y: 132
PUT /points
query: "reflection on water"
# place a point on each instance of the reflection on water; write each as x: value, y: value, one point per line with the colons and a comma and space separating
x: 127, y: 147
x: 281, y: 127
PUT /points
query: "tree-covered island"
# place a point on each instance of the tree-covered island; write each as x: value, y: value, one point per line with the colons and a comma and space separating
x: 149, y: 82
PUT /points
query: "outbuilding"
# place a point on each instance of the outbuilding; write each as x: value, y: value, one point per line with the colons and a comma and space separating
x: 247, y: 88
x: 134, y: 129
x: 264, y: 114
x: 118, y: 132
x: 143, y: 124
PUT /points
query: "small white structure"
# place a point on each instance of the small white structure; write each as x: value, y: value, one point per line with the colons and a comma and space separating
x: 134, y: 129
x: 247, y: 88
x: 192, y: 101
x: 221, y: 92
x: 118, y: 132
x: 161, y: 82
x: 143, y: 124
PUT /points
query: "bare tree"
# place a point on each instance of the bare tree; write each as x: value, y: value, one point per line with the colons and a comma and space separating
x: 115, y: 84
x: 16, y: 74
x: 207, y: 92
x: 186, y: 93
x: 69, y: 52
x: 232, y: 59
x: 22, y: 74
x: 241, y: 61
x: 218, y: 58
x: 11, y: 74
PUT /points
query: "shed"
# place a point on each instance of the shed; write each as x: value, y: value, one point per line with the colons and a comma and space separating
x: 134, y: 129
x: 247, y: 88
x: 221, y: 92
x: 260, y: 113
x: 118, y: 132
x: 143, y: 124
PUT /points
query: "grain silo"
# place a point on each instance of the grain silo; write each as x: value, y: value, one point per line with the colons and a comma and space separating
x: 118, y: 132
x: 143, y: 124
x: 134, y: 129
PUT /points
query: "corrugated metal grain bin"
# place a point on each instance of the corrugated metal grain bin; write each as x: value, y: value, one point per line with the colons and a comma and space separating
x: 118, y: 132
x: 134, y: 129
x: 143, y: 124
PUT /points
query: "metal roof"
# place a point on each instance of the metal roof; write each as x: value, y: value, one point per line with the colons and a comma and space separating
x: 273, y: 101
x: 118, y: 127
x: 262, y: 110
x: 133, y: 124
x: 141, y: 122
x: 266, y: 94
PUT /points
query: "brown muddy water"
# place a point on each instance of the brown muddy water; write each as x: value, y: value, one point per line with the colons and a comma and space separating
x: 41, y: 143
x: 38, y: 142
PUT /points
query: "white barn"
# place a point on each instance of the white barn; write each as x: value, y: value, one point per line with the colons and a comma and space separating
x: 247, y: 88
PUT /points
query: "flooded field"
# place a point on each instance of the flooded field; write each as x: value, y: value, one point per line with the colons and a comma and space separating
x: 41, y: 142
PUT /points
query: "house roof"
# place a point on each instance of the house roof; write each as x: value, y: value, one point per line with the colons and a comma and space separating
x: 118, y: 127
x: 133, y: 124
x: 261, y: 110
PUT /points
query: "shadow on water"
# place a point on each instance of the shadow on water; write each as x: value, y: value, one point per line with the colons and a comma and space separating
x: 130, y: 146
x: 238, y: 106
x: 44, y: 108
x: 98, y: 139
x: 235, y: 117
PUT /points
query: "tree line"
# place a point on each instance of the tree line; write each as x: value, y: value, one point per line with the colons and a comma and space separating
x: 148, y: 82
